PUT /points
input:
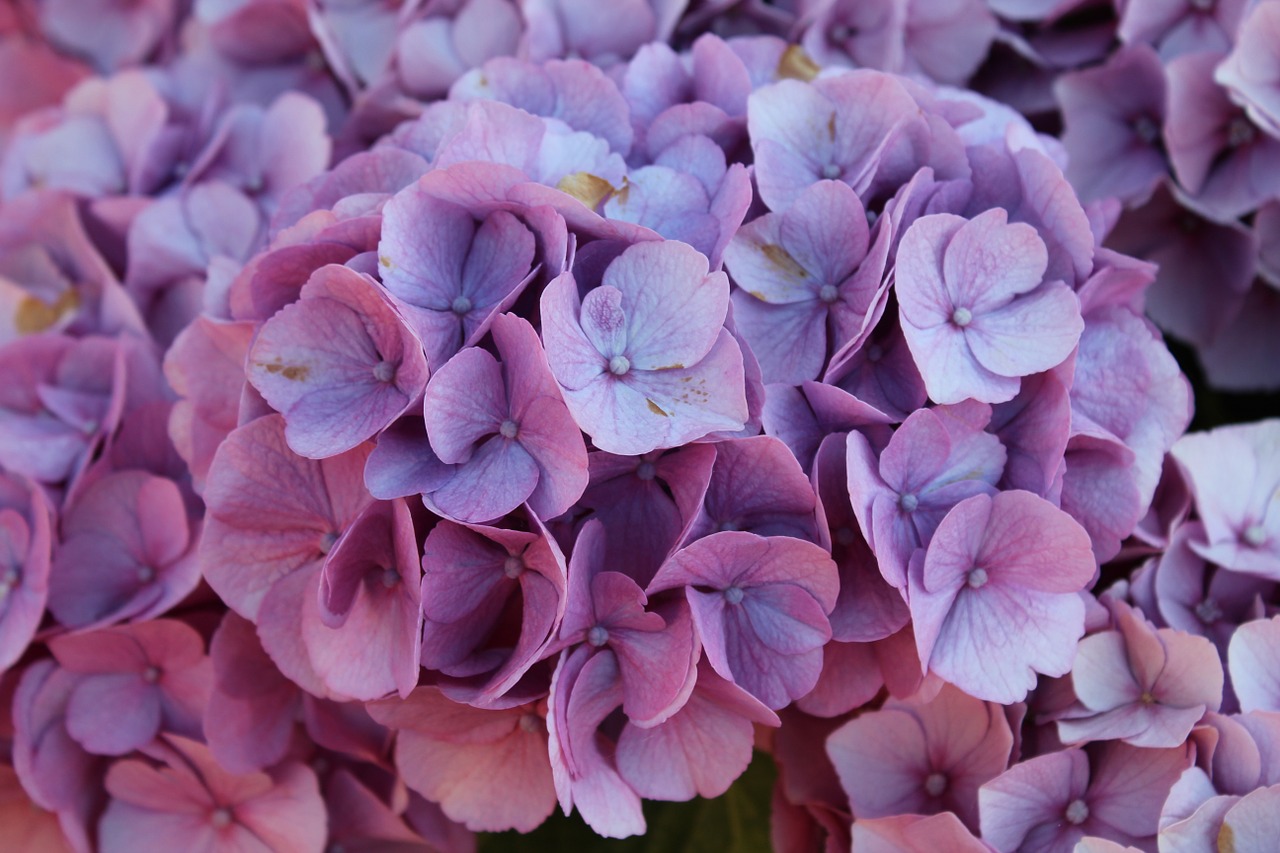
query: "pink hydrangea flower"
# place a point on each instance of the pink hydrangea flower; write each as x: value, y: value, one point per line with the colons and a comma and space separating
x: 157, y: 669
x: 756, y: 599
x: 187, y: 799
x: 996, y: 563
x: 340, y: 363
x: 1144, y: 685
x: 643, y: 359
x: 974, y: 310
x: 504, y: 430
x: 1234, y: 472
x: 922, y: 757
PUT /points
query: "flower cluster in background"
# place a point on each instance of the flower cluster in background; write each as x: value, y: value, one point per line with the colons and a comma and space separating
x: 417, y: 418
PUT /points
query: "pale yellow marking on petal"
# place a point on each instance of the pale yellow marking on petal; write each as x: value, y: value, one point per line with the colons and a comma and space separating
x: 586, y: 188
x: 797, y: 64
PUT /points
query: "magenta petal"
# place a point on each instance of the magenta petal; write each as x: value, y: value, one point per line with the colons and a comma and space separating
x: 495, y: 480
x: 700, y: 750
x: 1255, y: 671
x: 465, y: 401
x: 93, y: 720
x: 369, y: 639
x: 339, y: 364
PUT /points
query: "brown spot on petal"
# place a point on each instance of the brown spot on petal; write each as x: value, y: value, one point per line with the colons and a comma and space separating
x: 586, y: 188
x: 385, y: 261
x: 656, y: 409
x: 293, y: 372
x: 36, y: 315
x: 782, y: 259
x: 676, y: 366
x: 797, y: 64
x: 1226, y: 840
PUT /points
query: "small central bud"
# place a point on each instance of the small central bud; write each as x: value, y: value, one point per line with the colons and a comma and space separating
x: 384, y: 371
x: 840, y: 32
x: 1208, y: 611
x: 598, y: 636
x: 513, y: 567
x: 1255, y: 535
x: 1147, y: 698
x: 151, y: 674
x: 935, y: 784
x: 831, y: 171
x: 1077, y: 812
x: 875, y: 352
x: 619, y: 365
x: 908, y: 502
x: 146, y: 574
x: 829, y: 293
x: 530, y: 723
x: 729, y: 525
x: 977, y: 578
x: 1145, y: 128
x: 1240, y: 132
x: 962, y: 317
x: 647, y: 471
x: 327, y: 542
x: 390, y: 577
x: 734, y: 595
x: 220, y: 818
x: 509, y: 428
x: 1203, y: 5
x: 461, y: 305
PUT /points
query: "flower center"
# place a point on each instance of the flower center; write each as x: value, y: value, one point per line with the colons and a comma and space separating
x: 7, y: 582
x: 647, y: 471
x: 151, y: 674
x: 390, y: 577
x: 875, y: 352
x: 1202, y: 5
x: 509, y: 428
x: 327, y: 542
x: 845, y: 536
x: 729, y: 525
x: 530, y: 723
x: 734, y: 595
x: 461, y: 305
x: 513, y: 567
x: 619, y: 365
x: 1255, y: 535
x: 1077, y: 812
x: 1240, y: 132
x: 962, y: 317
x: 384, y: 371
x: 1147, y: 698
x: 908, y: 502
x: 935, y: 784
x: 831, y: 171
x: 1145, y: 128
x: 977, y: 578
x: 1208, y: 611
x: 146, y: 574
x: 829, y: 293
x: 220, y: 818
x: 598, y: 636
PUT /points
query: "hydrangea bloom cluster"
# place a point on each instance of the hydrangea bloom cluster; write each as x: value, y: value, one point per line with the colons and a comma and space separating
x: 416, y: 418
